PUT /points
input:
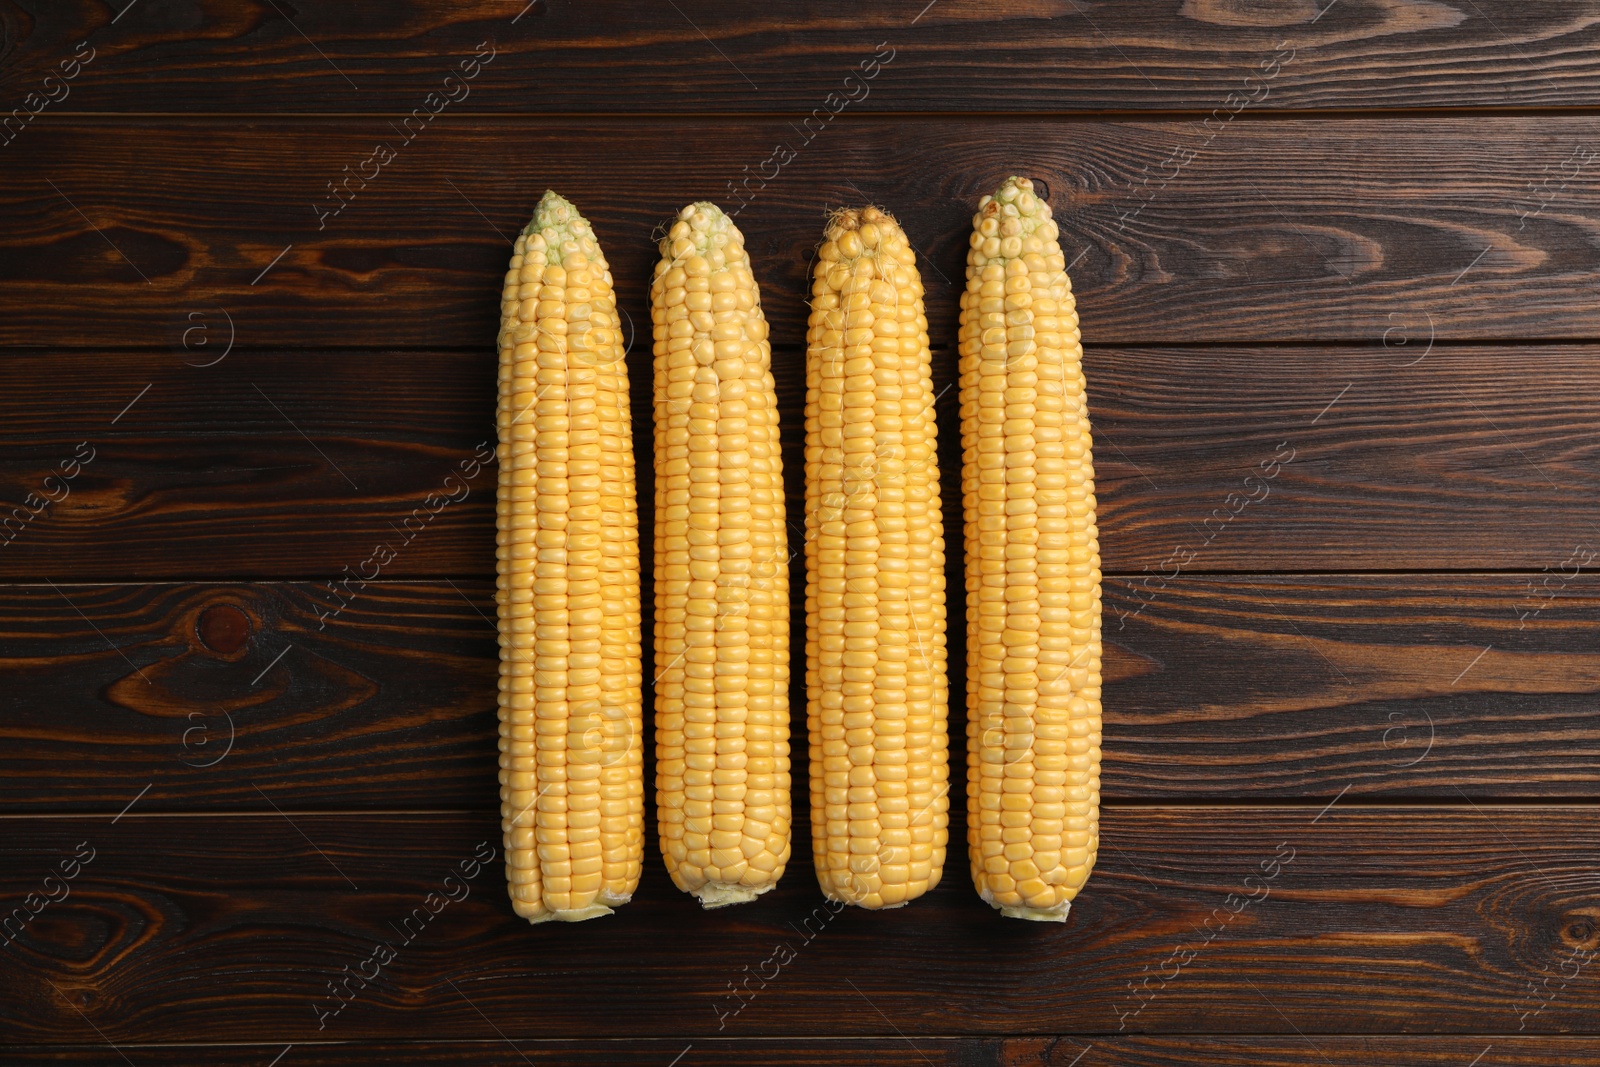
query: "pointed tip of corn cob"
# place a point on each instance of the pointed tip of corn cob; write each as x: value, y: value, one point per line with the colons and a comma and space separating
x: 701, y: 229
x: 854, y: 231
x: 1012, y: 222
x: 854, y: 234
x: 558, y: 229
x: 553, y: 210
x: 1018, y: 191
x: 843, y: 219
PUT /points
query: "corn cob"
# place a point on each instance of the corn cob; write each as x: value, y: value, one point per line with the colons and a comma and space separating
x: 876, y: 683
x: 721, y: 570
x: 571, y: 761
x: 1033, y: 566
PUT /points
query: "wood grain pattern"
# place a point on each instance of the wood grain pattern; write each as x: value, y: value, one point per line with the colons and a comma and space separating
x: 1415, y: 685
x: 491, y: 1051
x: 1052, y: 55
x: 1407, y: 455
x: 1302, y: 230
x: 1350, y: 808
x: 1402, y: 457
x: 1224, y: 687
x: 266, y: 464
x: 1427, y: 920
x: 1320, y: 1050
x: 1097, y: 1050
x: 375, y: 696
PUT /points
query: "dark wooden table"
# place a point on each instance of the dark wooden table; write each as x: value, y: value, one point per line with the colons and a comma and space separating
x: 250, y: 262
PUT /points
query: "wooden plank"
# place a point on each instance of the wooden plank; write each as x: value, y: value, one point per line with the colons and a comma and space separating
x: 1417, y: 685
x: 1429, y: 920
x: 1095, y: 1050
x: 295, y: 463
x: 276, y: 464
x: 1462, y: 228
x: 1395, y: 457
x: 241, y: 696
x: 1233, y: 687
x: 595, y: 1052
x: 1321, y: 1050
x: 725, y: 56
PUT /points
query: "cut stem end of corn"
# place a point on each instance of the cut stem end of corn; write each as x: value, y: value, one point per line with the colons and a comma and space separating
x: 1057, y: 914
x: 712, y: 895
x: 573, y: 915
